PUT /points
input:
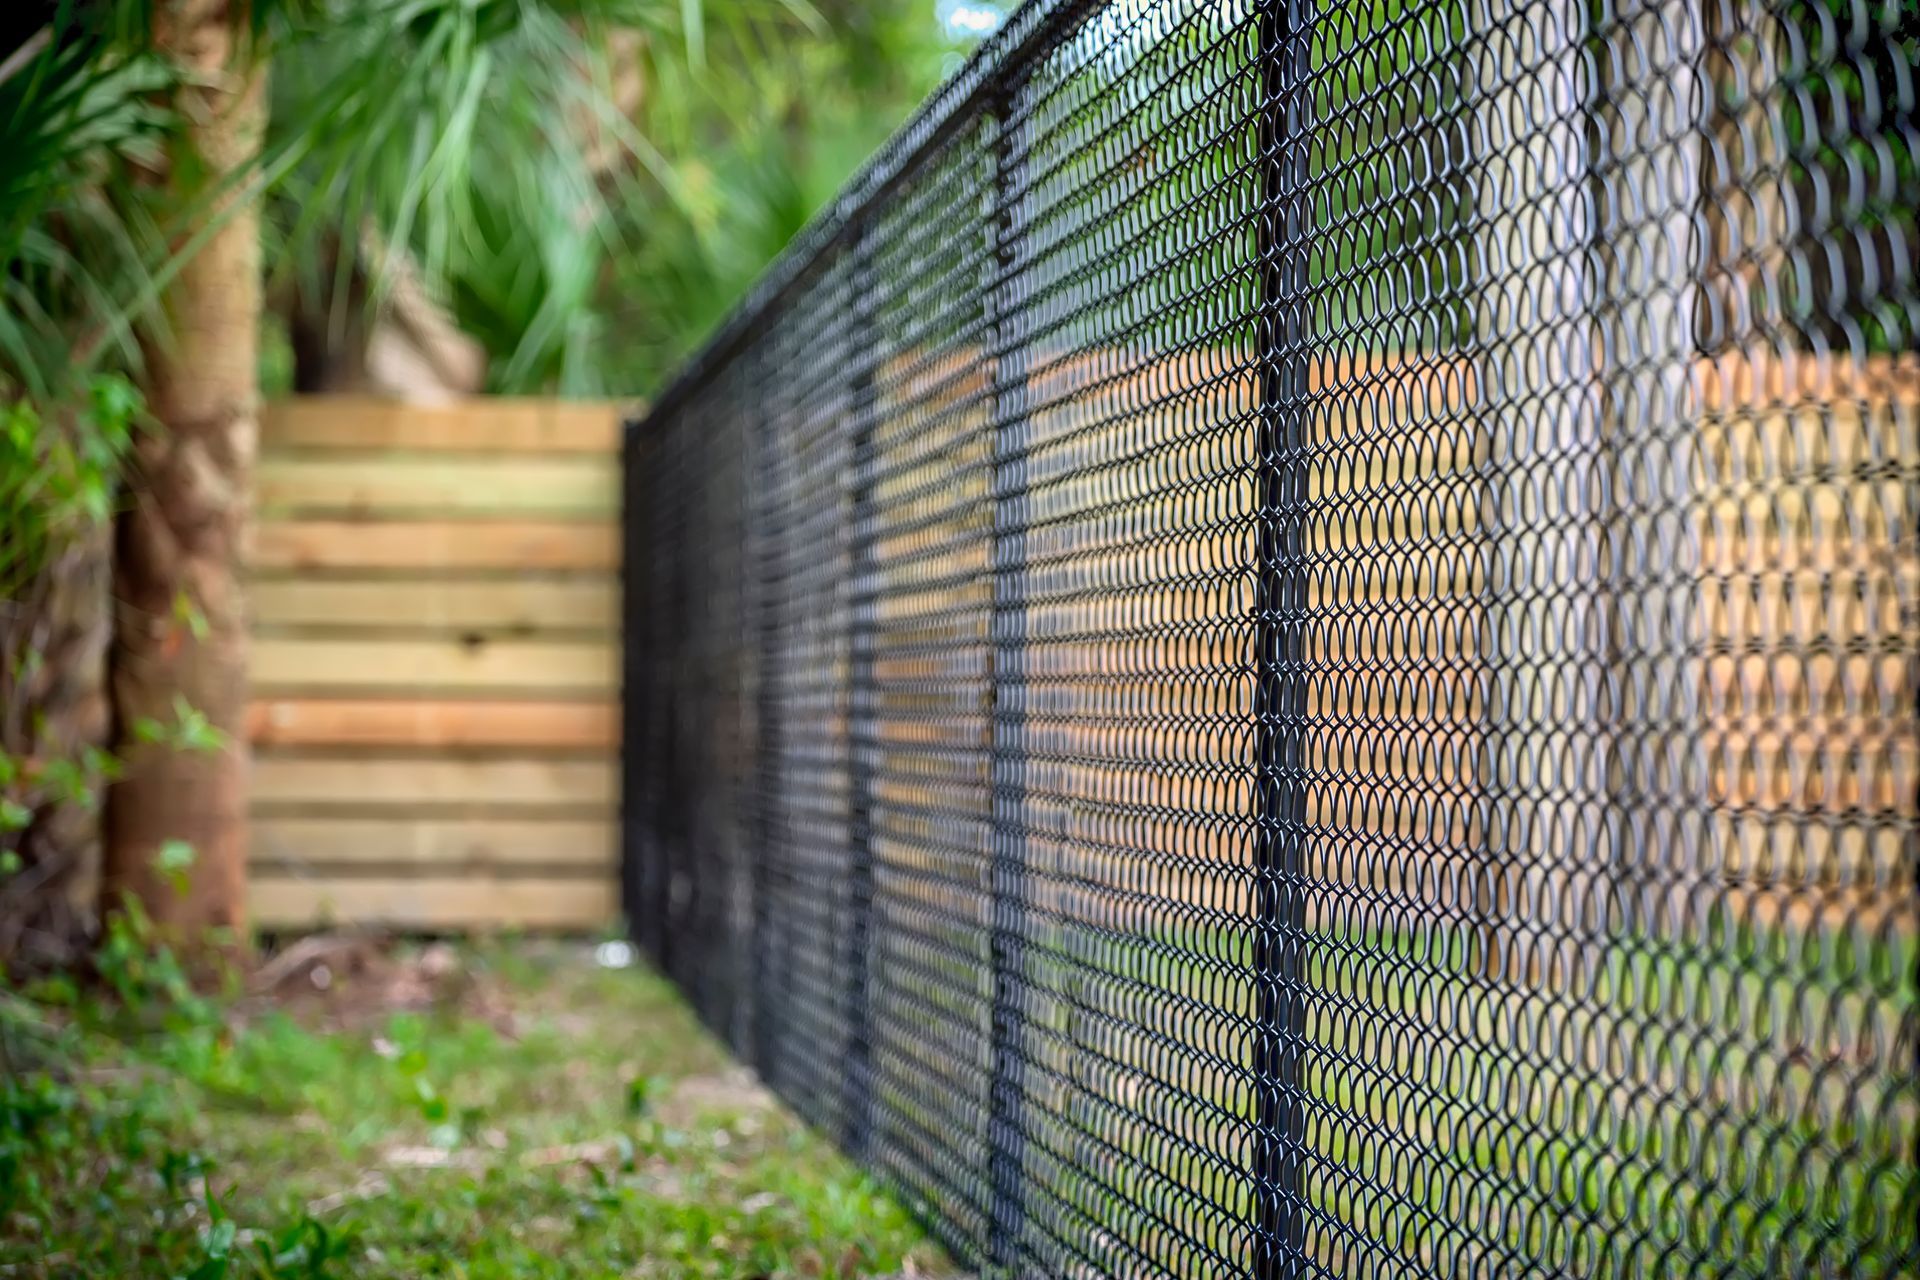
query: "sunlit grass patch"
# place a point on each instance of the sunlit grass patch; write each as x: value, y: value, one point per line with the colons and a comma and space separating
x: 535, y: 1116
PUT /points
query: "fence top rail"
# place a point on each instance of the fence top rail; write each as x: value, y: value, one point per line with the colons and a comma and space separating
x: 998, y: 59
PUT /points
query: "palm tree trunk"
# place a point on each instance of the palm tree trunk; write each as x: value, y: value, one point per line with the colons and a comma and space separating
x: 179, y: 635
x: 53, y: 709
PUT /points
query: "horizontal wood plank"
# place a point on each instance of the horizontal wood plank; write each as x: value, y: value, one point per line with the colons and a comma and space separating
x: 495, y: 487
x: 416, y: 723
x: 437, y: 903
x: 282, y: 783
x: 289, y: 665
x: 406, y: 550
x: 440, y: 843
x: 520, y: 606
x: 483, y: 425
x: 436, y: 545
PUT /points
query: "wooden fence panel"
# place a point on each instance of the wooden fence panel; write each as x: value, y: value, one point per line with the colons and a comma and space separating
x: 435, y: 623
x: 434, y: 609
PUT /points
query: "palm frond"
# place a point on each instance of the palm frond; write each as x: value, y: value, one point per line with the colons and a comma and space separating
x: 484, y: 141
x: 527, y: 193
x: 79, y: 115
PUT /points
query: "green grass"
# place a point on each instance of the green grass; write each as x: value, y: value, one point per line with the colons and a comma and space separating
x: 541, y: 1117
x: 1462, y: 1120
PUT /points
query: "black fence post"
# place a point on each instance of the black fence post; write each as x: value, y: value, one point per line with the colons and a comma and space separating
x: 638, y: 871
x: 1007, y: 630
x: 767, y: 544
x: 862, y: 700
x: 1280, y: 691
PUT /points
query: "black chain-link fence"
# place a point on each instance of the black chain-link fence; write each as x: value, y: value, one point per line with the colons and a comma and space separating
x: 1286, y: 645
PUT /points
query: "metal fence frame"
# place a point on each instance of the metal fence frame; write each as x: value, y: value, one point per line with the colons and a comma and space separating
x: 706, y: 559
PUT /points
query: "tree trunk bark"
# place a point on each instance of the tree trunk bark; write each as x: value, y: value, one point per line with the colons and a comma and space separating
x: 179, y: 636
x: 53, y: 711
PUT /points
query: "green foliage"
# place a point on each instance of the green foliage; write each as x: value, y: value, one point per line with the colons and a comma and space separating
x: 189, y: 731
x: 1851, y: 168
x: 81, y: 117
x: 586, y: 241
x: 58, y: 477
x: 144, y: 1136
x: 95, y: 1155
x: 144, y: 974
x: 588, y: 184
x: 174, y: 860
x: 755, y: 153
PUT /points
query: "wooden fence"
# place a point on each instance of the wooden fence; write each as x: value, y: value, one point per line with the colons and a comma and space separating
x: 436, y: 635
x: 435, y: 627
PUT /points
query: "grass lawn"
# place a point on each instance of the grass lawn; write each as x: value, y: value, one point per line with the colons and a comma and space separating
x: 486, y: 1111
x: 1464, y: 1124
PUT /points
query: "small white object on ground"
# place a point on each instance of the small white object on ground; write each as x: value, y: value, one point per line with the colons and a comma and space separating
x: 438, y: 961
x: 614, y: 955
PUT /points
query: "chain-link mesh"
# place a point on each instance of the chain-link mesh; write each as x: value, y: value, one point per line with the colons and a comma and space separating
x: 1286, y: 645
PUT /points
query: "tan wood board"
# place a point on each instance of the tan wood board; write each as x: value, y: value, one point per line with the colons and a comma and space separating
x: 372, y: 722
x: 579, y: 786
x: 525, y: 606
x: 496, y: 487
x: 434, y: 903
x: 434, y: 544
x: 427, y: 843
x: 482, y: 425
x: 286, y: 665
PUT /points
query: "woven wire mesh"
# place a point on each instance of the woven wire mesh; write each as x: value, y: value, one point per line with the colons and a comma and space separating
x: 1286, y: 645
